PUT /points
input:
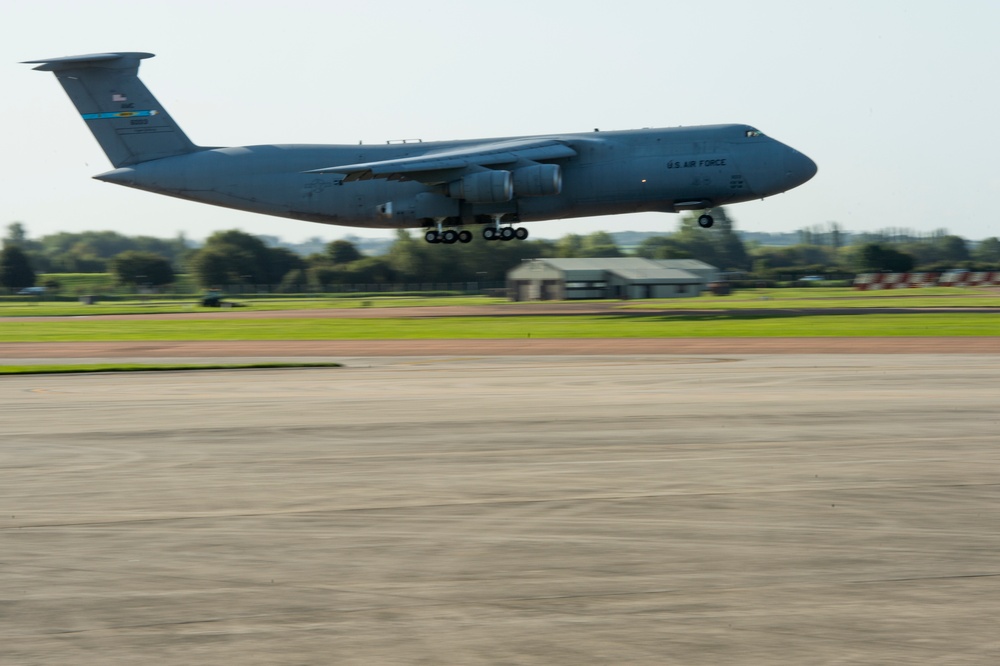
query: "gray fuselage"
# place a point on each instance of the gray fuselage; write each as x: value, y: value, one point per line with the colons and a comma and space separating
x: 666, y: 170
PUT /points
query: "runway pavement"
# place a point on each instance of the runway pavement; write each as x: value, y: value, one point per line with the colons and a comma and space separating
x: 152, y: 351
x: 644, y: 509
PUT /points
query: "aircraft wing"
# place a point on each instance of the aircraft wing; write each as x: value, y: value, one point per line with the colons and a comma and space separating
x: 445, y: 165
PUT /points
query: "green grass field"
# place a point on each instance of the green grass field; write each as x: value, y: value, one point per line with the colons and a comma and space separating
x: 818, y: 297
x: 732, y: 320
x: 815, y: 297
x: 731, y: 324
x: 26, y: 307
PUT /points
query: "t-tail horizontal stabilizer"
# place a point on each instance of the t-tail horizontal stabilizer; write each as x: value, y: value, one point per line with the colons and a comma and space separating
x: 123, y: 115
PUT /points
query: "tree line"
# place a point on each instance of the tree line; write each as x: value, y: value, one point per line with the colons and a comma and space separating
x: 229, y: 258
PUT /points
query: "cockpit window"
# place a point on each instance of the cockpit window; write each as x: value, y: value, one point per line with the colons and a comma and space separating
x: 750, y: 133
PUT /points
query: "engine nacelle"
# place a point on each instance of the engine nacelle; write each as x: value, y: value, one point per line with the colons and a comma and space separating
x: 483, y: 187
x: 540, y: 180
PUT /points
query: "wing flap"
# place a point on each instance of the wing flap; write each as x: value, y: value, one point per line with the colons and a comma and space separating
x: 447, y: 164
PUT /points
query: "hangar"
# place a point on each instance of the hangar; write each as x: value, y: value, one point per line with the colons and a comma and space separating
x: 613, y: 277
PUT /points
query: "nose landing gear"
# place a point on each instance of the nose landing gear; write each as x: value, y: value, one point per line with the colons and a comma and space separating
x: 705, y: 221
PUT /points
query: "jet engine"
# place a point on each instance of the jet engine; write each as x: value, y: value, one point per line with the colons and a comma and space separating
x: 483, y: 187
x: 538, y: 181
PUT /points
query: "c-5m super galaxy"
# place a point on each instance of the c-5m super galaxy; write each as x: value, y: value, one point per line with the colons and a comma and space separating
x: 444, y: 187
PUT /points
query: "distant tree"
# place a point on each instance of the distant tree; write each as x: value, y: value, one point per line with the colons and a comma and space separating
x: 662, y: 247
x: 15, y: 268
x: 212, y: 267
x: 134, y: 267
x: 323, y: 277
x: 830, y: 235
x: 343, y: 252
x: 16, y: 235
x: 406, y: 255
x: 762, y: 268
x: 280, y: 261
x: 83, y: 257
x: 953, y: 248
x: 988, y: 250
x: 412, y: 260
x: 247, y: 256
x: 836, y: 236
x: 236, y: 257
x: 295, y: 281
x: 52, y: 284
x: 599, y: 244
x: 874, y: 257
x: 732, y: 252
x: 92, y: 251
x: 719, y: 246
x: 369, y: 270
x: 924, y: 252
x: 936, y: 250
x: 794, y: 256
x: 569, y: 246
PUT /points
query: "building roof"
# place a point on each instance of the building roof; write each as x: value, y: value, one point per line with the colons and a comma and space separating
x: 656, y: 276
x: 632, y: 269
x: 600, y: 263
x: 686, y: 264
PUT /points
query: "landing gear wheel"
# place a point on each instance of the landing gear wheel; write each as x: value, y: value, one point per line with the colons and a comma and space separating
x: 705, y: 221
x: 489, y: 233
x: 521, y: 233
x: 450, y: 236
x: 464, y: 236
x: 432, y: 237
x: 507, y: 233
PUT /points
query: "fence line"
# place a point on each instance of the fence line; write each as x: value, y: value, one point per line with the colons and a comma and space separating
x: 277, y: 290
x: 362, y: 288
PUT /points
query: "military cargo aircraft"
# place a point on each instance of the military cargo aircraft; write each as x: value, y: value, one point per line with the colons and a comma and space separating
x: 444, y: 187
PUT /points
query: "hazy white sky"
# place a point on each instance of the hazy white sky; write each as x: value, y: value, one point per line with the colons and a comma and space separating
x: 896, y: 101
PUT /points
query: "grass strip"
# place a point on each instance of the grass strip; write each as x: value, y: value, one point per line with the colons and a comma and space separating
x: 147, y: 367
x: 179, y: 306
x: 715, y: 325
x: 934, y: 297
x: 816, y: 303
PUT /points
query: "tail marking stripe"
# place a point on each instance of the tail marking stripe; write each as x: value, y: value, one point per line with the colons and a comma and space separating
x: 122, y: 114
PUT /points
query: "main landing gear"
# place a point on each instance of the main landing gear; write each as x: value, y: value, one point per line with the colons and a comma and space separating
x: 448, y: 236
x: 491, y: 232
x: 494, y: 231
x: 504, y: 233
x: 705, y: 221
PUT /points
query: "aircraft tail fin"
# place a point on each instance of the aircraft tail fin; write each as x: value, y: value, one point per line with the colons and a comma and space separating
x: 123, y: 115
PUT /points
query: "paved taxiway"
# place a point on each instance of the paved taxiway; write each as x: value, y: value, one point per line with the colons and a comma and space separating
x: 706, y: 509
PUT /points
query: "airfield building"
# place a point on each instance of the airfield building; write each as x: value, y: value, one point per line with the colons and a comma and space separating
x: 617, y: 277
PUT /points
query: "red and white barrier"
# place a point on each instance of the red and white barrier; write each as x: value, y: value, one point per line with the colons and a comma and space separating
x: 873, y: 281
x: 970, y: 279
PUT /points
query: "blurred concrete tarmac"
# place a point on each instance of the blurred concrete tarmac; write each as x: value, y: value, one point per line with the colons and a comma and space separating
x: 790, y: 509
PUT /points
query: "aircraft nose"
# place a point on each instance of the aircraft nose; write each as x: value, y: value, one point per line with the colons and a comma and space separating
x: 798, y: 168
x: 774, y: 167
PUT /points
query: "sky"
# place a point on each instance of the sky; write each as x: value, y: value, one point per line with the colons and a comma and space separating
x: 896, y: 101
